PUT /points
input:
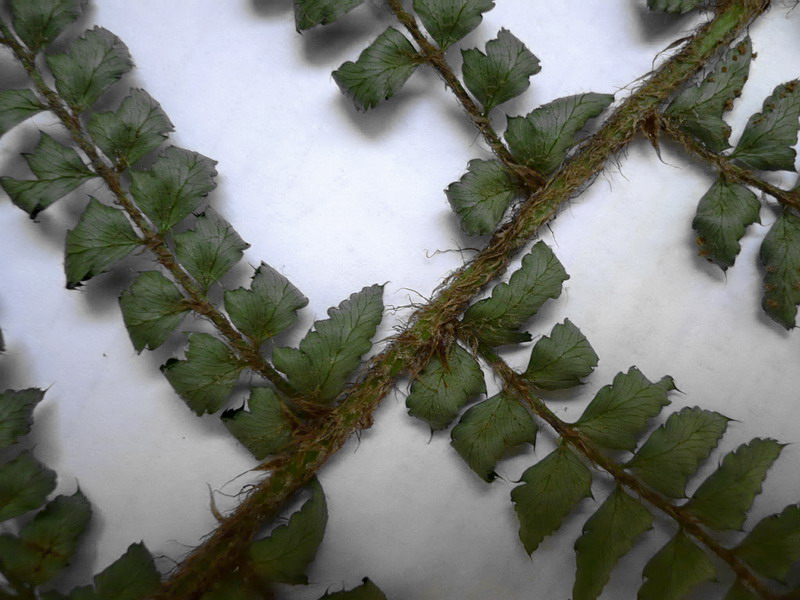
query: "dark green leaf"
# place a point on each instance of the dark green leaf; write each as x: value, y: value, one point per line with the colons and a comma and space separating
x: 16, y: 106
x: 620, y: 411
x: 84, y: 592
x: 739, y: 592
x: 132, y: 576
x: 675, y: 450
x: 380, y: 71
x: 482, y: 195
x: 284, y: 556
x: 269, y: 307
x: 25, y: 484
x: 39, y: 22
x: 722, y: 500
x: 264, y: 429
x: 327, y: 356
x: 769, y: 136
x: 774, y: 544
x: 207, y: 376
x: 495, y: 320
x: 444, y: 386
x: 723, y: 214
x: 608, y: 535
x: 542, y: 139
x: 209, y: 249
x: 561, y: 360
x: 47, y: 543
x: 551, y: 489
x: 91, y: 64
x: 102, y: 236
x: 233, y: 588
x: 309, y: 13
x: 502, y: 73
x: 16, y: 412
x: 698, y: 110
x: 174, y: 186
x: 450, y: 20
x: 59, y: 170
x: 488, y: 429
x: 152, y: 308
x: 137, y: 127
x: 780, y: 255
x: 675, y: 570
x: 673, y: 6
x: 366, y: 591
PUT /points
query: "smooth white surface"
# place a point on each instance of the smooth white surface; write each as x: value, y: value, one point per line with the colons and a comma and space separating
x: 337, y: 200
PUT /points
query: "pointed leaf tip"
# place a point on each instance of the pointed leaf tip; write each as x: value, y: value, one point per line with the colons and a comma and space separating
x: 380, y: 71
x: 495, y: 321
x: 16, y: 412
x: 444, y: 386
x: 152, y: 308
x: 773, y: 546
x: 131, y: 577
x: 209, y: 249
x: 502, y: 73
x: 47, y: 543
x: 675, y: 450
x: 58, y: 169
x: 264, y: 428
x: 607, y: 536
x: 490, y: 428
x: 206, y: 377
x: 698, y: 110
x: 769, y: 137
x: 561, y: 360
x: 39, y: 22
x: 102, y: 237
x: 174, y: 186
x: 134, y: 129
x: 366, y: 591
x: 25, y: 484
x: 284, y: 556
x: 620, y: 412
x: 675, y: 570
x: 450, y: 20
x: 780, y: 256
x: 724, y: 498
x: 91, y: 64
x: 550, y: 490
x: 723, y: 214
x: 17, y: 106
x: 269, y: 307
x: 480, y: 198
x: 310, y: 13
x: 328, y: 355
x: 542, y: 139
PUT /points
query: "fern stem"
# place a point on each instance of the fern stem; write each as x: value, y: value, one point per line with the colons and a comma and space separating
x: 219, y: 554
x: 226, y: 547
x: 151, y: 238
x: 729, y: 169
x: 610, y: 139
x: 518, y: 386
x: 435, y: 57
x: 430, y: 326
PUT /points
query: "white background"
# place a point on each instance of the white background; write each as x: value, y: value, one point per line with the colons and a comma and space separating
x: 337, y: 200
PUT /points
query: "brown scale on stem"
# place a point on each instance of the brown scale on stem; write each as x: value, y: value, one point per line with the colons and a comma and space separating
x: 223, y: 551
